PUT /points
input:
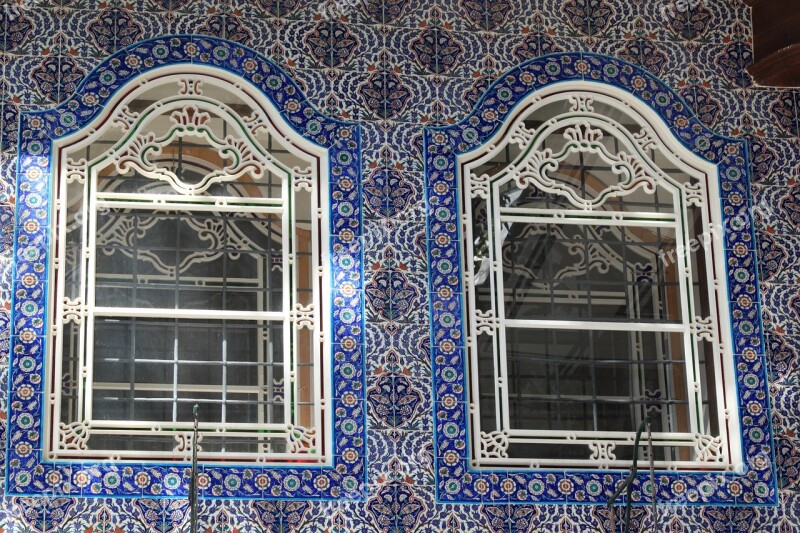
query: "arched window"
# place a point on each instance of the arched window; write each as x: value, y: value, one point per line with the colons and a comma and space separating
x: 189, y: 239
x: 595, y: 289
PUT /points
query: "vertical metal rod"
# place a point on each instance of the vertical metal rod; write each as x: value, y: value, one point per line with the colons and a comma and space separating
x: 628, y: 482
x: 652, y: 476
x: 193, y: 481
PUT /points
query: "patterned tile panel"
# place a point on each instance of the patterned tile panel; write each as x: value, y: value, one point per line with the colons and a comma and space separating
x: 456, y: 480
x: 27, y: 475
x: 393, y: 89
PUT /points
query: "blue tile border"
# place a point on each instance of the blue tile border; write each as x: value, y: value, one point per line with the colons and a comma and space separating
x: 27, y: 472
x: 457, y: 481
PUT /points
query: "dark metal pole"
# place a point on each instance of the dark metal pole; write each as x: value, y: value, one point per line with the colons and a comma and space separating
x: 628, y: 483
x: 193, y: 481
x: 652, y: 476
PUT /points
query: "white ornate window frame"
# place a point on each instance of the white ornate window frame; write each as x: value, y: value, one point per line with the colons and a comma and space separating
x: 489, y: 449
x: 305, y: 444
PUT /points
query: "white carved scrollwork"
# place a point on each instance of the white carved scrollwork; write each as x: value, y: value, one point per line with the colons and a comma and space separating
x: 581, y: 103
x: 73, y: 310
x: 303, y: 178
x: 255, y: 123
x: 486, y: 322
x: 534, y: 170
x: 142, y: 152
x: 76, y: 171
x: 708, y: 448
x: 479, y: 186
x: 704, y: 328
x: 190, y: 86
x: 184, y: 443
x: 125, y: 118
x: 190, y: 119
x: 494, y: 444
x: 636, y: 171
x: 694, y: 193
x: 73, y: 436
x: 602, y: 452
x: 135, y: 151
x: 302, y: 440
x: 584, y: 137
x: 521, y: 135
x: 646, y: 140
x: 303, y: 316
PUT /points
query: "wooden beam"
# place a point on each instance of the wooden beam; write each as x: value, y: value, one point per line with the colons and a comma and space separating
x: 776, y: 42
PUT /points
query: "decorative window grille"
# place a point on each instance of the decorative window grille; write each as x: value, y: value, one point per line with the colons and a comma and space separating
x: 595, y: 290
x: 188, y: 269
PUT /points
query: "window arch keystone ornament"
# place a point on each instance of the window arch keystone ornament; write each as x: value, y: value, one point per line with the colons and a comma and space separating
x: 180, y: 226
x: 590, y: 283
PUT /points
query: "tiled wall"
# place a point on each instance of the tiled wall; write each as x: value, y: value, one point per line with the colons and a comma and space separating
x: 378, y: 62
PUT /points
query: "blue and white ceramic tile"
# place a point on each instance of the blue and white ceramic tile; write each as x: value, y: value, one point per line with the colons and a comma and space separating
x: 29, y: 30
x: 783, y: 353
x: 704, y: 22
x: 93, y: 479
x: 776, y: 111
x: 345, y: 87
x: 446, y: 323
x: 589, y: 20
x: 395, y: 66
x: 405, y: 251
x: 8, y: 178
x: 777, y: 208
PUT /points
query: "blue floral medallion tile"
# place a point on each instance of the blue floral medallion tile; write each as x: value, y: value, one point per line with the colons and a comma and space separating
x: 28, y: 472
x: 777, y: 208
x: 688, y: 24
x: 590, y: 18
x: 436, y: 47
x: 783, y: 355
x: 443, y: 144
x: 28, y: 31
x: 384, y: 12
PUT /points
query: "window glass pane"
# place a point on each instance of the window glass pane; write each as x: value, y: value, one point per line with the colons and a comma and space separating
x: 72, y: 240
x: 189, y: 245
x: 141, y: 365
x: 70, y: 372
x: 586, y: 272
x: 225, y: 261
x: 578, y: 217
x: 595, y: 380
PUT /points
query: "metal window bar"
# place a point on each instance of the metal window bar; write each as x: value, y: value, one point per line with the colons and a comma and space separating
x: 181, y: 285
x: 627, y: 483
x: 635, y: 302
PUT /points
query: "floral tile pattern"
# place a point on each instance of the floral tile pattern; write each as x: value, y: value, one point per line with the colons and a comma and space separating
x: 396, y: 67
x: 39, y: 129
x: 456, y: 481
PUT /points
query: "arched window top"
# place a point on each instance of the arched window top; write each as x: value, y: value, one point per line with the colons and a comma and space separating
x: 149, y: 123
x: 190, y: 240
x: 556, y: 127
x: 193, y: 101
x: 582, y: 230
x: 586, y: 316
x: 181, y: 207
x: 241, y: 66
